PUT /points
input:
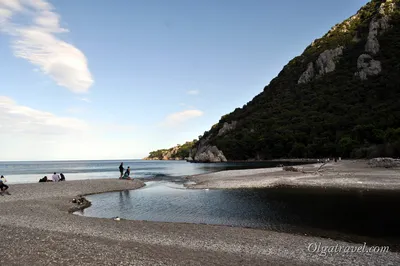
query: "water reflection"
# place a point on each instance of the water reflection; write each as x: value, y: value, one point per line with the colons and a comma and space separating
x: 343, y: 216
x: 125, y: 202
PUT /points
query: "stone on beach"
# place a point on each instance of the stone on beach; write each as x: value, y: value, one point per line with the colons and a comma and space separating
x: 384, y: 162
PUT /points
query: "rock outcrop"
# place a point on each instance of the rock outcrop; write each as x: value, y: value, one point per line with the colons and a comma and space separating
x: 327, y: 59
x: 366, y: 65
x: 308, y: 75
x: 325, y: 63
x: 227, y: 128
x: 170, y: 153
x: 209, y: 154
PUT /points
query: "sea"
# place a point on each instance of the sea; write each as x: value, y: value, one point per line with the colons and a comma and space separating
x: 32, y: 171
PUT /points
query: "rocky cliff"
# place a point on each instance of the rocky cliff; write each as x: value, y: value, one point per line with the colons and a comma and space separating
x: 178, y: 152
x: 338, y: 98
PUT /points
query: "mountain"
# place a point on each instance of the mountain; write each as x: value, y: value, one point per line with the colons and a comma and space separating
x: 179, y: 152
x: 340, y: 97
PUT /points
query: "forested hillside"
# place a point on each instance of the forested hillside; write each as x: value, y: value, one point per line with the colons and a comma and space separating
x: 339, y: 98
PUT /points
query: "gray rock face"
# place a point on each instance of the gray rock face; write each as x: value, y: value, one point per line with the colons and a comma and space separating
x: 227, y: 127
x: 325, y: 63
x: 209, y: 154
x: 367, y: 66
x: 376, y: 27
x: 379, y: 26
x: 384, y: 162
x: 326, y: 60
x: 204, y: 152
x: 308, y: 75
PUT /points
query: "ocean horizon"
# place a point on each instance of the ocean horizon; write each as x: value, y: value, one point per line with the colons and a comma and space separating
x: 31, y: 171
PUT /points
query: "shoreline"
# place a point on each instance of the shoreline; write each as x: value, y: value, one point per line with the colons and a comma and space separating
x: 35, y: 217
x: 345, y: 175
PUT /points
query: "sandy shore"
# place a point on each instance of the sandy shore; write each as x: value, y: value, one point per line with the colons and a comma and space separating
x: 37, y: 229
x: 342, y: 175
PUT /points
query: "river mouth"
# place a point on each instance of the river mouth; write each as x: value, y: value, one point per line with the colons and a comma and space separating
x: 354, y: 216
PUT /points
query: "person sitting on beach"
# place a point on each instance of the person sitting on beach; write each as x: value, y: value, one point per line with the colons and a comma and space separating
x: 121, y: 170
x: 62, y: 177
x: 127, y: 174
x: 3, y: 186
x: 44, y: 179
x: 55, y: 177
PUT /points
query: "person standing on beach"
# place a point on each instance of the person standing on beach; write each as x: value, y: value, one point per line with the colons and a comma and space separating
x: 55, y: 177
x: 121, y: 170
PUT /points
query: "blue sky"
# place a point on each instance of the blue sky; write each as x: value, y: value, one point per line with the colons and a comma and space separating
x: 117, y: 79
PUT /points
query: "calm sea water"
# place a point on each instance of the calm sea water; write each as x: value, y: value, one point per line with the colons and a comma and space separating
x: 28, y: 172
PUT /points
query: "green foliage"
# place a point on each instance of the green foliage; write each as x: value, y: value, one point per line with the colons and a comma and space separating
x: 184, y: 150
x: 181, y: 151
x: 159, y: 154
x: 334, y: 115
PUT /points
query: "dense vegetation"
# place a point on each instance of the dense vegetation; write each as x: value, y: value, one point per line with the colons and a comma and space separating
x: 334, y: 115
x: 177, y: 152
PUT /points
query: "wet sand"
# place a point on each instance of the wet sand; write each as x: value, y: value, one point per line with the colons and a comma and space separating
x: 37, y: 229
x: 340, y: 175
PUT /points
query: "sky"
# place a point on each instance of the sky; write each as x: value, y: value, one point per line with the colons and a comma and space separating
x: 118, y: 79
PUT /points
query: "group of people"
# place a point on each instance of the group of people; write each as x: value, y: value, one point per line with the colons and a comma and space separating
x: 54, y: 178
x: 127, y: 173
x: 3, y: 186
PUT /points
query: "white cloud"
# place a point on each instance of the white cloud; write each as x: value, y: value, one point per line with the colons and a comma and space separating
x: 22, y: 120
x: 181, y: 117
x: 38, y: 43
x: 193, y: 92
x: 30, y: 134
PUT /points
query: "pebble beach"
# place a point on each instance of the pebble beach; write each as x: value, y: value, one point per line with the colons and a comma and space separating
x: 37, y: 228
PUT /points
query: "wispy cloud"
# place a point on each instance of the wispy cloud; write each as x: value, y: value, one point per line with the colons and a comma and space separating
x: 193, y: 92
x: 19, y: 119
x: 37, y: 42
x: 87, y: 100
x: 181, y: 117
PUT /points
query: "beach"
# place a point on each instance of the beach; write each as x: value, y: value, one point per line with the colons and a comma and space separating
x: 345, y: 175
x: 38, y: 229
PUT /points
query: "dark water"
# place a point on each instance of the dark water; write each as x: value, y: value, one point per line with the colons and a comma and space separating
x: 27, y: 172
x: 351, y: 216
